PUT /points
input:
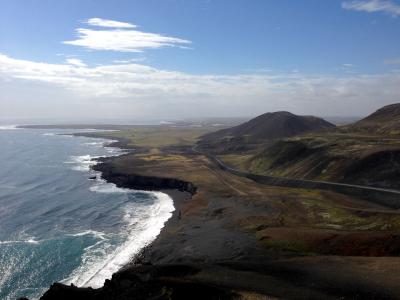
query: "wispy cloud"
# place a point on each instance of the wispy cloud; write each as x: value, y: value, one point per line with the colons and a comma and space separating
x: 121, y: 39
x: 109, y: 23
x: 75, y: 62
x: 144, y: 90
x: 371, y: 6
x: 128, y: 61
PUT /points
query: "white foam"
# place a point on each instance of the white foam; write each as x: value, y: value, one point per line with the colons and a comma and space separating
x: 144, y: 223
x: 8, y: 127
x: 27, y: 241
x: 32, y: 241
x: 98, y: 144
x: 83, y: 162
x: 49, y: 134
x: 105, y: 187
x: 97, y: 234
x: 109, y: 142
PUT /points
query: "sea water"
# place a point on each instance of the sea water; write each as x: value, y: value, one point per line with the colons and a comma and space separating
x: 58, y: 224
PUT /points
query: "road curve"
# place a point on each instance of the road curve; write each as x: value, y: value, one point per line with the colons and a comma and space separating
x: 382, y: 196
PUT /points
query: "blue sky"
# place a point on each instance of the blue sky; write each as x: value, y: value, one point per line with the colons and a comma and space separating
x: 276, y: 49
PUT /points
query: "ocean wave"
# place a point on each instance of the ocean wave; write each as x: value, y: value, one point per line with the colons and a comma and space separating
x: 8, y: 127
x: 98, y: 144
x: 27, y: 241
x: 143, y: 223
x: 109, y: 142
x: 83, y: 162
x: 97, y: 234
x: 49, y: 134
x: 102, y: 186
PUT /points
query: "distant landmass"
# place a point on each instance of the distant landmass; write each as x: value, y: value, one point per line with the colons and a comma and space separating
x: 266, y: 127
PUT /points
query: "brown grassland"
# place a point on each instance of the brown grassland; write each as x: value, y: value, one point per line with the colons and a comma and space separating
x: 330, y: 238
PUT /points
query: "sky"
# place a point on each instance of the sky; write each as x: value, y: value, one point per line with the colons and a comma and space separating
x: 175, y: 59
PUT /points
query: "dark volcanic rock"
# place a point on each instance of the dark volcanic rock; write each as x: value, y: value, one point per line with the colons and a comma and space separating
x: 135, y: 181
x: 380, y: 169
x: 144, y: 282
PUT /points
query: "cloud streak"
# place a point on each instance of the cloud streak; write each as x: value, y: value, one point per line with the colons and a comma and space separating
x: 372, y: 6
x: 144, y: 90
x: 122, y: 38
x: 75, y: 62
x: 109, y: 23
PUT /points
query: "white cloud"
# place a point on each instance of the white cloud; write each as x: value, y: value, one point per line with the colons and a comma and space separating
x: 109, y: 23
x: 347, y: 65
x: 371, y: 6
x: 75, y: 62
x: 123, y: 40
x: 124, y: 80
x: 136, y: 89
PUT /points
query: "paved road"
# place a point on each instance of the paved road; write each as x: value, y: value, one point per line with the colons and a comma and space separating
x: 387, y: 197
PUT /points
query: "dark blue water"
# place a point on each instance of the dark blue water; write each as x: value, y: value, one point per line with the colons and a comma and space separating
x: 58, y: 225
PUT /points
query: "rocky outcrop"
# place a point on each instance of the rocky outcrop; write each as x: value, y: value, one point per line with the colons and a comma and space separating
x: 141, y: 182
x: 145, y: 282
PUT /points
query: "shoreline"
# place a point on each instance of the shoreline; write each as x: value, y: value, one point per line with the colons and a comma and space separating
x: 222, y: 244
x: 175, y: 188
x: 178, y: 191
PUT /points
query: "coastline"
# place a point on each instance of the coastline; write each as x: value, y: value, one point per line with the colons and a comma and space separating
x: 215, y: 244
x: 179, y: 191
x: 175, y: 196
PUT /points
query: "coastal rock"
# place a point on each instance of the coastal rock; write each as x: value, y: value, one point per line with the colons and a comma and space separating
x: 145, y: 282
x: 141, y: 182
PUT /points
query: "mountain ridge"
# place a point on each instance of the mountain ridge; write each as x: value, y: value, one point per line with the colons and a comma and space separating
x: 385, y: 120
x: 266, y: 127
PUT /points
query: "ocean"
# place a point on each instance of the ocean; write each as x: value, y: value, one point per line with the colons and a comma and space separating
x: 57, y: 224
